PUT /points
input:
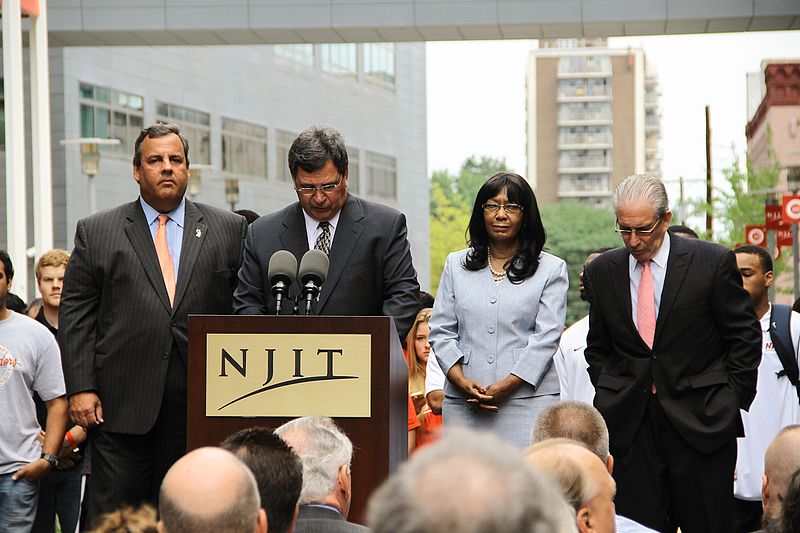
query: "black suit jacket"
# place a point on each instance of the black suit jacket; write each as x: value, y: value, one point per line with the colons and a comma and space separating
x: 313, y: 519
x: 116, y: 325
x: 370, y: 273
x: 706, y: 349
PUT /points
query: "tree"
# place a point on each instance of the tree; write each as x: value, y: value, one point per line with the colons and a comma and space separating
x: 573, y: 230
x: 451, y: 202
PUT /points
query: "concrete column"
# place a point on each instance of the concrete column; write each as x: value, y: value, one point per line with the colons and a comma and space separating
x: 41, y: 142
x: 16, y: 207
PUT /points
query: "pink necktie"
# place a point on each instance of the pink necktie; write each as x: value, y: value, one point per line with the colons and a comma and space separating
x: 646, y: 306
x: 164, y: 259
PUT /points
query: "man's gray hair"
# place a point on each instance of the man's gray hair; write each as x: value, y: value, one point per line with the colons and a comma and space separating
x: 314, y: 147
x: 574, y: 420
x: 471, y: 483
x: 323, y: 448
x: 159, y: 129
x: 642, y: 187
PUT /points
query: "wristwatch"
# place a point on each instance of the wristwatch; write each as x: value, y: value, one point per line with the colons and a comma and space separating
x: 52, y: 459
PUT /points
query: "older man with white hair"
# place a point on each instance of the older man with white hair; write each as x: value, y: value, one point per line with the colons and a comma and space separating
x: 209, y: 490
x: 326, y: 454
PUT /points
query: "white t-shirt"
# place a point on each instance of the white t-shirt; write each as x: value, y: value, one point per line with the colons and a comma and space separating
x: 774, y: 407
x: 434, y: 377
x: 29, y: 361
x: 571, y: 364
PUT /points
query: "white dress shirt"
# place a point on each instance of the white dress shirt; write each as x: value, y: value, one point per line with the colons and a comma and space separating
x: 313, y: 229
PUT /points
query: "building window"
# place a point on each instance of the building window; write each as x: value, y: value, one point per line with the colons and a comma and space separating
x: 381, y: 175
x: 584, y: 111
x: 594, y: 182
x: 339, y: 59
x: 584, y: 135
x: 110, y: 114
x: 299, y: 53
x: 584, y: 65
x: 195, y: 126
x: 379, y: 62
x: 283, y: 142
x: 584, y: 159
x: 244, y: 148
x: 353, y: 170
x: 584, y: 87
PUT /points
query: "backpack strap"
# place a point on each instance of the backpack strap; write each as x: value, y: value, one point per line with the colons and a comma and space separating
x: 780, y: 333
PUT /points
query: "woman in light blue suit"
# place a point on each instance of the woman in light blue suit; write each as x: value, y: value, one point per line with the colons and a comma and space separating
x: 499, y: 314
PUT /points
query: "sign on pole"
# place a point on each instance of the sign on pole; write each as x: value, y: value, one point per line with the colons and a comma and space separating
x: 784, y: 234
x: 790, y: 212
x: 756, y: 235
x: 772, y: 216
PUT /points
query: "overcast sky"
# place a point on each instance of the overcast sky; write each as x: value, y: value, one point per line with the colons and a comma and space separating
x: 476, y: 98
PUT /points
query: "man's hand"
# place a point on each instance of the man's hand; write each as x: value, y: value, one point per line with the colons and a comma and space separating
x: 33, y: 471
x: 85, y: 409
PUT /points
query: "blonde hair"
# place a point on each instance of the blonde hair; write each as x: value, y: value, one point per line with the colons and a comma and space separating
x: 416, y: 368
x: 51, y: 258
x: 128, y: 520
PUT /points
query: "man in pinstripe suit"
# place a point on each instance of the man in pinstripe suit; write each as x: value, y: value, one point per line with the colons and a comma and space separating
x: 136, y: 273
x: 673, y: 351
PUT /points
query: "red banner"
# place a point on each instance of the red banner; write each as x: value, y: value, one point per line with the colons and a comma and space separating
x: 772, y: 216
x: 755, y: 235
x: 790, y: 209
x: 784, y: 234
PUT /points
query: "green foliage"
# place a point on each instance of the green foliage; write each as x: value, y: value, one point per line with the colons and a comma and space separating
x: 573, y: 230
x: 452, y: 198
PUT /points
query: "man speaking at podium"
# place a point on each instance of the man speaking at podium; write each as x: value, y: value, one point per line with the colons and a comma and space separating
x: 370, y: 270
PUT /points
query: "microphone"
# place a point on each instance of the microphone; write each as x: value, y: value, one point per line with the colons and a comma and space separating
x: 312, y: 274
x: 281, y: 271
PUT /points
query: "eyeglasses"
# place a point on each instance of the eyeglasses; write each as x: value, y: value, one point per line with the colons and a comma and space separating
x: 511, y: 209
x: 627, y: 232
x: 325, y: 189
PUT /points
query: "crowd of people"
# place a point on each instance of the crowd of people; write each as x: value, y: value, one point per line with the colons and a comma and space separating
x: 672, y: 405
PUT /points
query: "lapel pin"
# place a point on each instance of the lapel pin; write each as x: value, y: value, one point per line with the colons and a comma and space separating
x: 198, y: 233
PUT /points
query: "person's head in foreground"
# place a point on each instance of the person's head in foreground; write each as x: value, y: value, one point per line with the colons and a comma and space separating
x: 781, y: 461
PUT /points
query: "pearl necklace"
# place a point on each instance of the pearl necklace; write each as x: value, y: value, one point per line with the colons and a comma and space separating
x: 498, y: 276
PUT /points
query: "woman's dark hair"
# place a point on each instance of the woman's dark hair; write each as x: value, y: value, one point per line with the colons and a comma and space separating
x: 531, y: 235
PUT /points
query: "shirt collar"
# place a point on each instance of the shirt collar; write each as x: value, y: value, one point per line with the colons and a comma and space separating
x: 176, y: 215
x: 660, y: 258
x: 313, y: 224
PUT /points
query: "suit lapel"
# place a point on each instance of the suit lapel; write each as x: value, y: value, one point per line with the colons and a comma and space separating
x: 194, y: 235
x: 344, y: 242
x: 621, y: 280
x: 677, y: 266
x: 138, y: 233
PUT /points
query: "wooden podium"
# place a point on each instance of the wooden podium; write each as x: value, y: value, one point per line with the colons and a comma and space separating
x: 249, y: 371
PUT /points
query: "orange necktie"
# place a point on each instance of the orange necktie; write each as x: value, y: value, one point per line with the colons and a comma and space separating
x: 164, y: 259
x: 646, y: 306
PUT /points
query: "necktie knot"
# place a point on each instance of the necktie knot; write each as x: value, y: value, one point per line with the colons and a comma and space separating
x: 163, y: 219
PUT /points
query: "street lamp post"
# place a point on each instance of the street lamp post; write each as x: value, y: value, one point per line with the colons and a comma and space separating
x: 232, y: 192
x: 90, y: 163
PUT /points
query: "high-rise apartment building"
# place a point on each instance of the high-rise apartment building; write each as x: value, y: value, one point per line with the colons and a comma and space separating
x: 592, y: 119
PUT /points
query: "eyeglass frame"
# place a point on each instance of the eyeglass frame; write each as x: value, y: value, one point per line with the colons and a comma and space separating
x: 312, y: 190
x: 634, y: 231
x: 516, y: 209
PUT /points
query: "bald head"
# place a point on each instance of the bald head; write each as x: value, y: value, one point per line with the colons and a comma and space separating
x: 573, y: 420
x: 207, y: 490
x: 583, y: 479
x: 780, y: 462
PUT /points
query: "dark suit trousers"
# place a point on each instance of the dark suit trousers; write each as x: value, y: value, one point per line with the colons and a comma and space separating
x: 663, y: 483
x: 128, y: 469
